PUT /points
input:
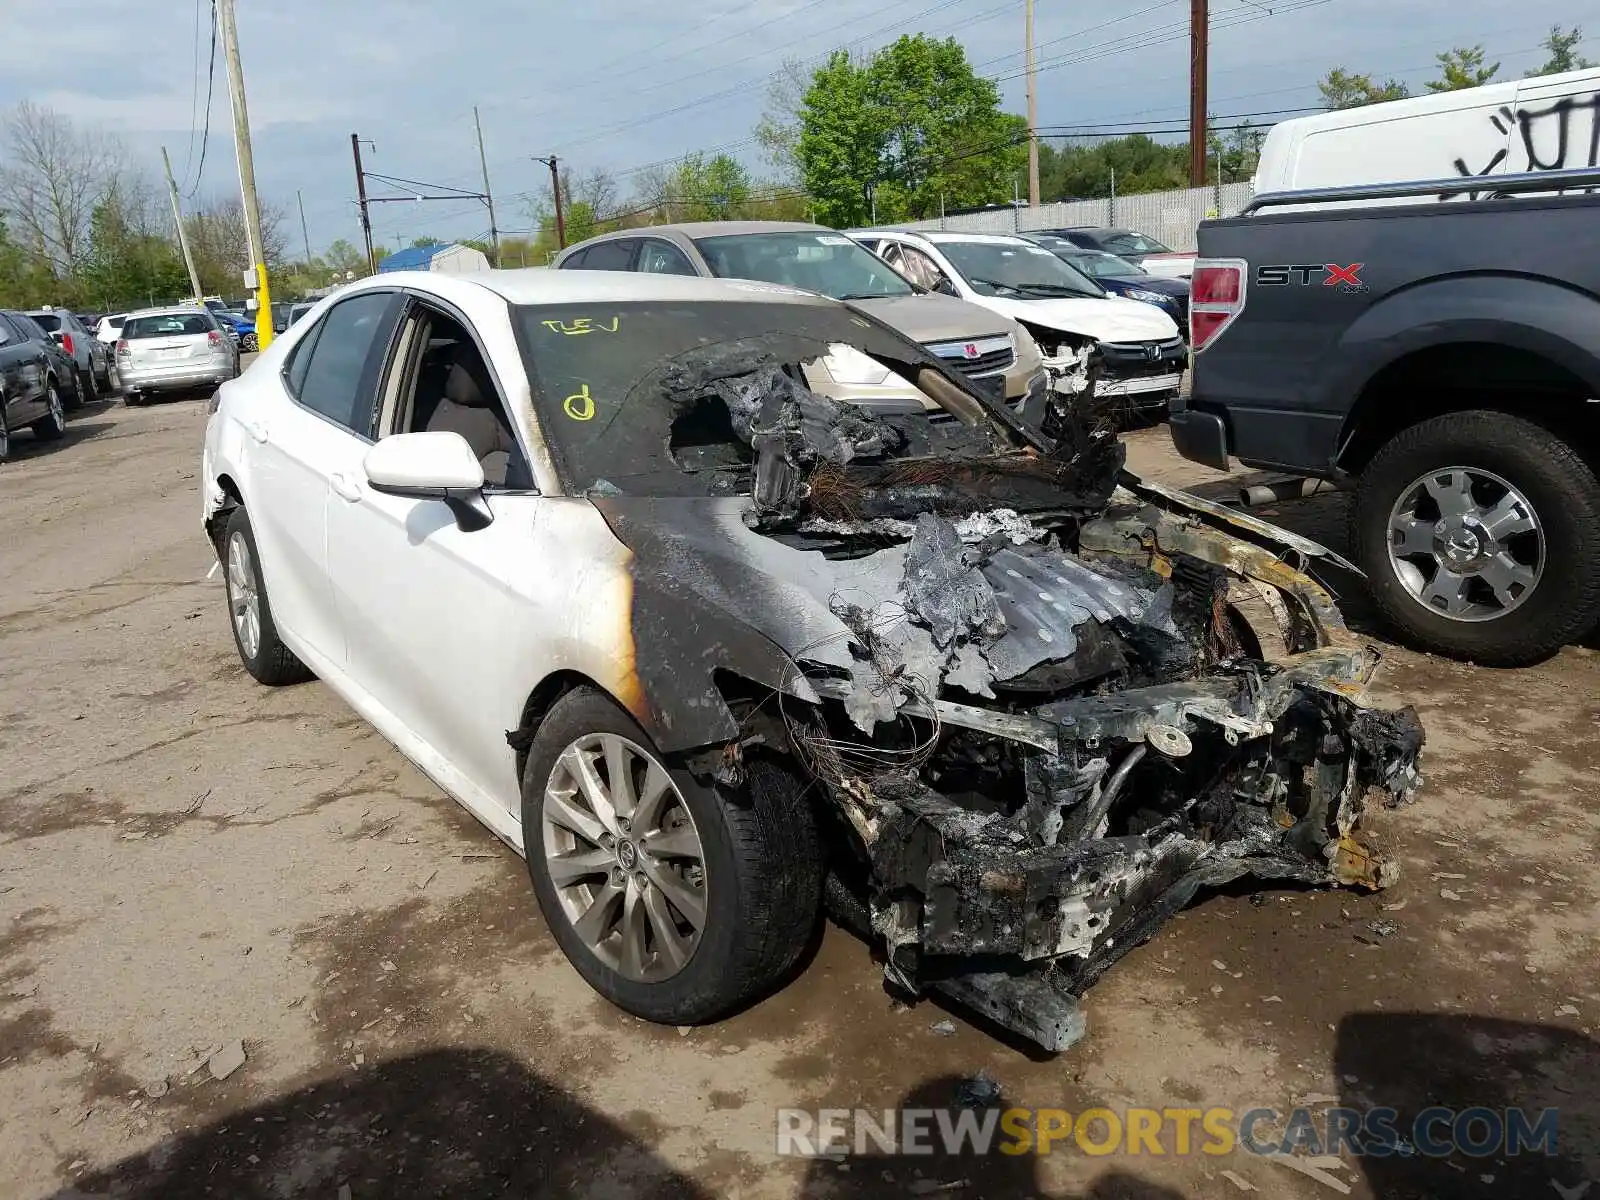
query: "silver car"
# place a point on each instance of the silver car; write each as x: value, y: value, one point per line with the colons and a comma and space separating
x: 91, y: 358
x: 173, y: 349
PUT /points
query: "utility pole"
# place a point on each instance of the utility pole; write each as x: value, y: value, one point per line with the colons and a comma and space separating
x: 183, y: 237
x: 488, y: 196
x: 555, y: 189
x: 1033, y: 110
x: 361, y: 200
x: 1199, y: 36
x: 304, y: 236
x: 247, y: 170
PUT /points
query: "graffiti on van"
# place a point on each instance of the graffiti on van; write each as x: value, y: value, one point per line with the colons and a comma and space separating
x: 1552, y: 139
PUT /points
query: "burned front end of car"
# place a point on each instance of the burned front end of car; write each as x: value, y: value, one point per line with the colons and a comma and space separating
x: 1047, y: 703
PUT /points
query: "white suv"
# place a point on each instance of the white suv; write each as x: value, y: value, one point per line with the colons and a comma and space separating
x: 1136, y: 349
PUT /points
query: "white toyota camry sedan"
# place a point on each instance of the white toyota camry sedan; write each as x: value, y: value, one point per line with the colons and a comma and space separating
x: 612, y: 561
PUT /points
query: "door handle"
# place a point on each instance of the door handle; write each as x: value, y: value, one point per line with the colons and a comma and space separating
x: 258, y: 430
x: 346, y: 487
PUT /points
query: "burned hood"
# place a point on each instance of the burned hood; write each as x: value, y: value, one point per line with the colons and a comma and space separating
x: 972, y: 603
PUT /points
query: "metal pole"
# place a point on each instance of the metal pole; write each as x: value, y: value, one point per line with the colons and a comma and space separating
x: 305, y: 237
x: 247, y: 170
x: 488, y: 196
x: 1199, y: 33
x: 361, y: 201
x: 1033, y: 110
x: 183, y: 237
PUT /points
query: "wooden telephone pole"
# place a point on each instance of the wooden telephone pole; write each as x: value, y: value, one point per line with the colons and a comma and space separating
x: 1033, y: 110
x: 488, y: 196
x: 1199, y: 35
x: 361, y: 201
x: 229, y: 31
x: 555, y: 189
x: 183, y: 236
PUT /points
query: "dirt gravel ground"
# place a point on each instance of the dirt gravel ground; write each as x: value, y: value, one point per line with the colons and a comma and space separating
x: 192, y: 866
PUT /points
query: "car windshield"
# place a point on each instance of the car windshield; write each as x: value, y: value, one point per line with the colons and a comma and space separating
x: 1122, y: 241
x: 1016, y: 269
x: 165, y: 325
x: 828, y: 263
x: 1103, y: 266
x: 49, y: 322
x: 638, y: 397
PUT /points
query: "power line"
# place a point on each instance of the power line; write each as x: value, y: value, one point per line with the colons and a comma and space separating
x: 205, y: 139
x: 593, y: 134
x: 194, y: 92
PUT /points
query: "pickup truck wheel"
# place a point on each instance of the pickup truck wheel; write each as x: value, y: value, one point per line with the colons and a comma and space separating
x: 255, y: 634
x: 676, y: 900
x: 1479, y: 532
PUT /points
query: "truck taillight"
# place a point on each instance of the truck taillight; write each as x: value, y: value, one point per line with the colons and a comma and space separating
x: 66, y: 342
x: 1216, y: 297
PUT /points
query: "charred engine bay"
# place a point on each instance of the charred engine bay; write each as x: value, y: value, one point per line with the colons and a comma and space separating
x: 1047, y: 706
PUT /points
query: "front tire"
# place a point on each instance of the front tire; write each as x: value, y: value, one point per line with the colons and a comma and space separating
x: 255, y: 634
x: 53, y: 426
x: 677, y: 901
x: 1479, y: 532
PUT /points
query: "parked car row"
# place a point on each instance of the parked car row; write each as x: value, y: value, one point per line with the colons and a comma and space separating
x: 1001, y: 309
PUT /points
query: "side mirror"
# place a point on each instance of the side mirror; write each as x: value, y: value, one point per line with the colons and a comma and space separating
x: 431, y: 466
x: 945, y: 288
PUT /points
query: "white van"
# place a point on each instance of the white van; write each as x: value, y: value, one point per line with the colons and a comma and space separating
x: 1543, y: 124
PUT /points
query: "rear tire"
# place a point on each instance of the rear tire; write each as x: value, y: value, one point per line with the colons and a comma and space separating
x: 54, y: 425
x: 5, y: 433
x: 88, y: 389
x: 1560, y: 489
x: 255, y: 634
x: 760, y: 874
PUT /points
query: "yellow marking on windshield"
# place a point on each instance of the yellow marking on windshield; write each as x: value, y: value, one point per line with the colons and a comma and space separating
x: 580, y: 405
x: 581, y: 325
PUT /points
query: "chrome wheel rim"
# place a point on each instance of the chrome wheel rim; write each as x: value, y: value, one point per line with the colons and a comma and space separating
x: 244, y: 601
x: 1466, y: 544
x: 623, y: 854
x: 5, y: 442
x: 58, y: 415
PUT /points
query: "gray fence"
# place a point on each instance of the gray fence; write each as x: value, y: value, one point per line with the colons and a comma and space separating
x: 1170, y: 217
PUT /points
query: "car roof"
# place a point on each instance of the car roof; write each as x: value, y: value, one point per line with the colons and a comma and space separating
x: 696, y: 229
x: 947, y: 235
x: 534, y: 285
x: 170, y: 310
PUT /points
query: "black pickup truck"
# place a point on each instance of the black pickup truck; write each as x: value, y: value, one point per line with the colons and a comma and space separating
x: 1443, y: 361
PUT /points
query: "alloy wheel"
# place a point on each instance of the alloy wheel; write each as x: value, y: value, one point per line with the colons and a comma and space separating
x: 1466, y: 544
x: 244, y: 599
x: 5, y: 439
x: 58, y: 413
x: 626, y: 861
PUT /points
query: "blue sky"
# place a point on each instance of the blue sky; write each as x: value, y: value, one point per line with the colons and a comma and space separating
x: 624, y: 83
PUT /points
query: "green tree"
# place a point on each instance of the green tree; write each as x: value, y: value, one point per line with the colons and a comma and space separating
x: 1139, y: 163
x: 697, y: 189
x: 1342, y: 89
x: 1460, y: 68
x: 1564, y: 57
x: 839, y: 152
x: 903, y: 132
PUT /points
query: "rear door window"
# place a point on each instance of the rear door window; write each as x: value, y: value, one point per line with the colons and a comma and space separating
x: 657, y: 257
x: 610, y: 256
x: 332, y: 372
